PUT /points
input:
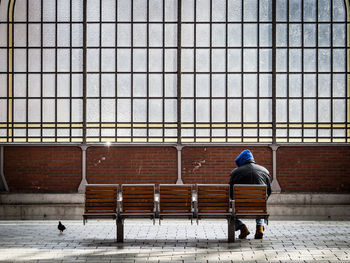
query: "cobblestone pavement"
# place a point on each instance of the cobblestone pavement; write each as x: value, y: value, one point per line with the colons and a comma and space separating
x: 173, y: 241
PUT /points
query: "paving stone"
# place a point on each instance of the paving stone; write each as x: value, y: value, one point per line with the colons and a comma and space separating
x: 173, y: 241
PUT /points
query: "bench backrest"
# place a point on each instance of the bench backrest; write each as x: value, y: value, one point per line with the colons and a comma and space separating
x: 101, y: 199
x: 175, y: 199
x: 249, y: 199
x: 137, y: 198
x: 213, y: 199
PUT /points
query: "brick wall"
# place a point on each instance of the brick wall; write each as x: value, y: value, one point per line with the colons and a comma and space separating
x: 42, y: 169
x: 214, y: 164
x: 314, y: 169
x: 132, y: 165
x: 58, y: 169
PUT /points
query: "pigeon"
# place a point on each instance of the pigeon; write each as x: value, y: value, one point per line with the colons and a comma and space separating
x: 61, y: 227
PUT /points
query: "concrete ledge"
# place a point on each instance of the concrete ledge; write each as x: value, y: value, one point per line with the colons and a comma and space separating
x: 298, y: 206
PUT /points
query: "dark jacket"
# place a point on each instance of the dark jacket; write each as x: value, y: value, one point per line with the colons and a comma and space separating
x: 250, y: 173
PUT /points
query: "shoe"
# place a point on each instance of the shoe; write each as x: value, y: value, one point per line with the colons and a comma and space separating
x: 259, y: 232
x: 244, y: 232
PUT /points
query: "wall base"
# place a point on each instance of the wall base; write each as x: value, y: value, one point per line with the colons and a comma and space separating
x: 299, y: 206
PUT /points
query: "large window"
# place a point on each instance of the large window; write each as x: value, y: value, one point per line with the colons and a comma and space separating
x: 171, y: 71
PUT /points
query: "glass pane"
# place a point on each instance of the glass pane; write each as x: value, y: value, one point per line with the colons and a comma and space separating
x: 339, y: 81
x: 108, y: 35
x: 170, y: 111
x: 324, y: 10
x: 202, y: 60
x: 123, y: 85
x: 123, y: 35
x: 34, y: 112
x: 170, y: 85
x: 265, y: 110
x: 202, y: 110
x: 295, y: 85
x: 281, y: 60
x: 310, y: 60
x: 187, y: 85
x: 108, y: 110
x: 339, y: 56
x: 234, y: 60
x: 202, y: 35
x: 281, y: 110
x: 140, y: 60
x: 123, y: 110
x: 155, y: 110
x: 265, y: 36
x: 295, y: 35
x: 139, y: 10
x: 3, y: 110
x: 218, y: 35
x: 309, y: 110
x: 49, y: 10
x: 63, y: 60
x: 155, y: 60
x: 93, y: 10
x: 202, y: 85
x: 324, y: 85
x: 63, y: 86
x: 33, y: 8
x: 218, y: 110
x: 124, y: 10
x: 123, y: 60
x: 155, y: 85
x: 234, y: 110
x: 155, y: 10
x: 218, y: 60
x: 339, y: 11
x: 187, y: 110
x: 77, y: 10
x: 171, y: 35
x: 219, y: 10
x: 295, y: 60
x: 140, y: 85
x: 295, y: 9
x: 63, y: 107
x: 265, y: 85
x: 250, y: 85
x: 310, y: 85
x: 108, y: 60
x: 339, y: 110
x: 339, y: 35
x: 203, y: 10
x: 171, y: 10
x: 218, y: 85
x: 265, y: 60
x: 139, y: 110
x: 250, y: 35
x: 250, y: 10
x: 187, y: 60
x: 310, y: 10
x: 48, y: 110
x: 250, y: 110
x: 20, y: 86
x: 250, y: 60
x: 93, y: 60
x: 234, y: 85
x: 20, y: 60
x: 281, y: 85
x: 324, y: 110
x: 140, y: 35
x: 93, y: 87
x: 234, y: 10
x: 324, y: 33
x: 187, y: 10
x: 33, y: 85
x: 93, y: 110
x: 155, y: 35
x: 324, y: 60
x: 63, y: 10
x: 77, y: 85
x: 20, y: 39
x: 187, y: 38
x: 309, y: 35
x: 295, y: 110
x: 108, y: 10
x: 19, y: 108
x: 234, y: 35
x: 48, y: 85
x: 108, y: 85
x: 281, y: 10
x: 265, y: 7
x: 170, y: 60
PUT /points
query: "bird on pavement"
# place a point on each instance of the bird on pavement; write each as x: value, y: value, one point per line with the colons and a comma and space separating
x: 61, y: 227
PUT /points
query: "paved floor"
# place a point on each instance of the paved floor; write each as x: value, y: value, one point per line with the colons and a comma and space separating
x: 173, y: 241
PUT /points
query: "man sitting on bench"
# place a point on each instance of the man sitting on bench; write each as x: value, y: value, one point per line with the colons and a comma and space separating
x: 248, y: 172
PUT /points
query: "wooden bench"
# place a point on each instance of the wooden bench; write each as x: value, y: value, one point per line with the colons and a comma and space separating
x: 100, y: 201
x: 250, y: 202
x: 174, y: 201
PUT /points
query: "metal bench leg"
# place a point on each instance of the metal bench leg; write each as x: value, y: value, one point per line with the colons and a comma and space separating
x: 120, y: 229
x: 231, y: 229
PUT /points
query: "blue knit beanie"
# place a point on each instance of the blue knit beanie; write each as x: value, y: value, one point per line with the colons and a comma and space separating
x: 244, y: 156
